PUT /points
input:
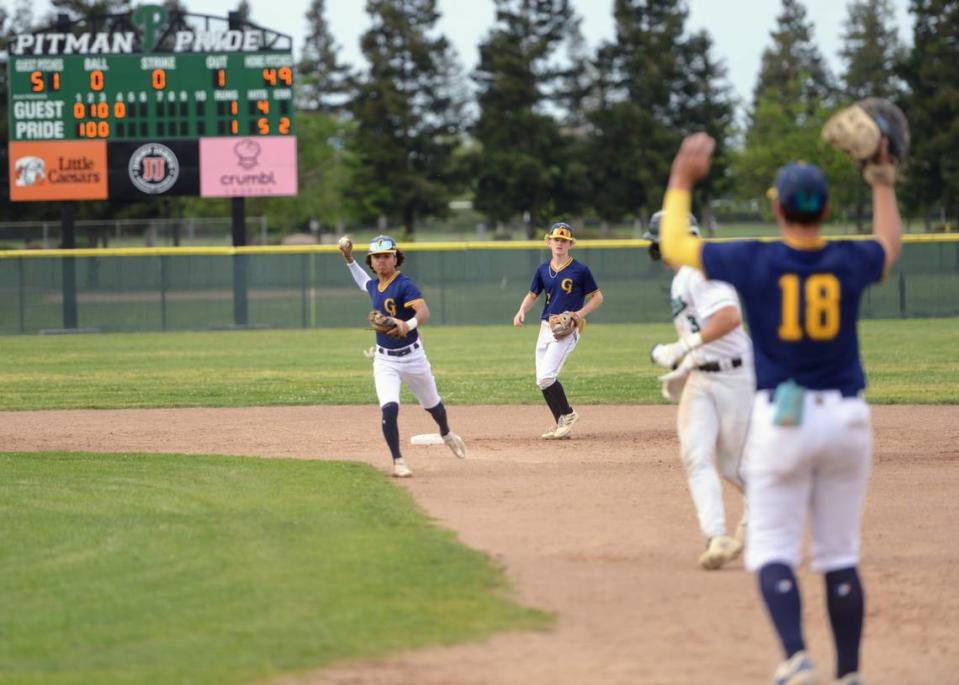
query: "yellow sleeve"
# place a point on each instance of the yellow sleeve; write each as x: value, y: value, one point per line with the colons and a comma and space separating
x: 675, y: 242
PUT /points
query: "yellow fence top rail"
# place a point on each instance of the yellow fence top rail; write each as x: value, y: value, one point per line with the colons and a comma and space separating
x: 409, y: 247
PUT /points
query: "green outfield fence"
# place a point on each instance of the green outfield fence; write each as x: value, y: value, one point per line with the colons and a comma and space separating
x: 167, y: 289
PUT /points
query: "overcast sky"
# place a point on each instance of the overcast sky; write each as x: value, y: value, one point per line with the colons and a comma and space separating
x: 740, y: 28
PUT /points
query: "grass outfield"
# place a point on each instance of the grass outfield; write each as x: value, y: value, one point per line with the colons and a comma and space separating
x: 907, y: 361
x: 134, y: 568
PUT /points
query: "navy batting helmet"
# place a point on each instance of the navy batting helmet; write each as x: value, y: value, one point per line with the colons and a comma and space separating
x: 652, y: 233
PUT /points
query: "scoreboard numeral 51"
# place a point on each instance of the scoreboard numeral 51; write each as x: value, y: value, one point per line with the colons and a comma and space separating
x: 39, y: 84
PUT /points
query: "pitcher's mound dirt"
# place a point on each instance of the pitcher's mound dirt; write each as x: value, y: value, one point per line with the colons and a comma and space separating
x: 600, y: 530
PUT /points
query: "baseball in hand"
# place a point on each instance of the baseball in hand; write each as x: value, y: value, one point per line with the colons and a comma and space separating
x: 344, y: 242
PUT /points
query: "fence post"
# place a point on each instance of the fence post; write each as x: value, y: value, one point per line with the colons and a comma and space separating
x: 304, y: 263
x: 20, y: 294
x: 240, y: 262
x: 902, y: 294
x: 68, y: 264
x: 163, y: 269
x: 442, y: 255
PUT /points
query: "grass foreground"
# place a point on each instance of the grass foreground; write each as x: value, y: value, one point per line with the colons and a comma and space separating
x: 135, y: 568
x: 907, y: 361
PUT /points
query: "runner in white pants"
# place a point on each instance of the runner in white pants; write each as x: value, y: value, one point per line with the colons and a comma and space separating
x: 399, y: 356
x: 714, y: 382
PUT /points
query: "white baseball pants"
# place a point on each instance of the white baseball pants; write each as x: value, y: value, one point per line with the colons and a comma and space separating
x: 819, y: 469
x: 712, y: 422
x: 413, y: 369
x: 551, y: 354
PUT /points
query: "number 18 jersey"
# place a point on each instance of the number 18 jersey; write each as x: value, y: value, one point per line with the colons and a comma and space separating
x: 802, y: 304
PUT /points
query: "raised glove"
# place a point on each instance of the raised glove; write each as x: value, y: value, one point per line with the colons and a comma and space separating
x: 858, y: 131
x: 669, y: 355
x: 381, y: 322
x: 563, y: 325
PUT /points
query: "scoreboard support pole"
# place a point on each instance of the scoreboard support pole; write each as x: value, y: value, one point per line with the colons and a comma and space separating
x: 68, y: 241
x: 240, y: 308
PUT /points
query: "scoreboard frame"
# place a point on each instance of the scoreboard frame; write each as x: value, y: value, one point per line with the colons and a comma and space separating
x: 151, y: 103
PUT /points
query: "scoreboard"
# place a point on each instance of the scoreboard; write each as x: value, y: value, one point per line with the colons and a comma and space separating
x: 175, y: 96
x: 163, y: 104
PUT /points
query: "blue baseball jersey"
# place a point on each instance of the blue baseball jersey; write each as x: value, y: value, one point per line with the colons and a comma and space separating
x: 566, y: 288
x: 395, y: 299
x: 802, y: 305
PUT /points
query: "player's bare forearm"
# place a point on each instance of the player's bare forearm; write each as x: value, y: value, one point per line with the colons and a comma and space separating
x: 403, y: 328
x: 720, y: 323
x: 422, y: 312
x: 887, y: 224
x: 524, y: 307
x: 594, y: 302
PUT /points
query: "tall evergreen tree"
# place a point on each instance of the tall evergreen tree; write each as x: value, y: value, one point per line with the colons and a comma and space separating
x: 408, y: 115
x: 705, y: 103
x: 933, y: 107
x: 871, y: 50
x: 639, y: 117
x: 520, y: 170
x: 324, y: 80
x: 792, y: 99
x: 647, y: 49
x: 792, y: 69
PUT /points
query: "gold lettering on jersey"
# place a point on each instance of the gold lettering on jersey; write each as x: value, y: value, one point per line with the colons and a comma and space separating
x: 567, y: 285
x: 789, y: 329
x: 390, y: 306
x: 821, y: 320
x: 822, y: 306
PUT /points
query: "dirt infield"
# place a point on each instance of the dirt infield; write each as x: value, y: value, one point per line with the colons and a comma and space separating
x: 600, y: 530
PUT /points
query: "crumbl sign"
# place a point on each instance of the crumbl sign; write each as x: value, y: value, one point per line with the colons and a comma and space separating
x: 248, y: 167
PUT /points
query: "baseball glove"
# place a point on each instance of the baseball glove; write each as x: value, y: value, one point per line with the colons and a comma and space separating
x: 858, y: 131
x: 563, y: 325
x: 380, y: 322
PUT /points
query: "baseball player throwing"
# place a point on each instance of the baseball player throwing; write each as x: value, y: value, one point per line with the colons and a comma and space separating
x: 399, y: 355
x: 712, y: 375
x: 570, y: 287
x: 809, y: 446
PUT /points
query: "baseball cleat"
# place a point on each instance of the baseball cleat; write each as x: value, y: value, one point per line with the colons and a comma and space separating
x: 456, y: 445
x: 851, y: 679
x: 798, y: 670
x: 548, y: 435
x: 400, y: 469
x: 565, y: 425
x: 720, y: 550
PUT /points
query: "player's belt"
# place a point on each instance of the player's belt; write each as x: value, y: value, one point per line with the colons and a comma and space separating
x: 402, y: 352
x: 722, y: 365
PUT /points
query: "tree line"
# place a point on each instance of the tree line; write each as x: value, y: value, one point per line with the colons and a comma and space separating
x: 545, y: 127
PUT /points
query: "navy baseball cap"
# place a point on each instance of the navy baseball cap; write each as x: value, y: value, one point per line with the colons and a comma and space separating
x: 562, y: 231
x: 802, y: 191
x: 382, y: 244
